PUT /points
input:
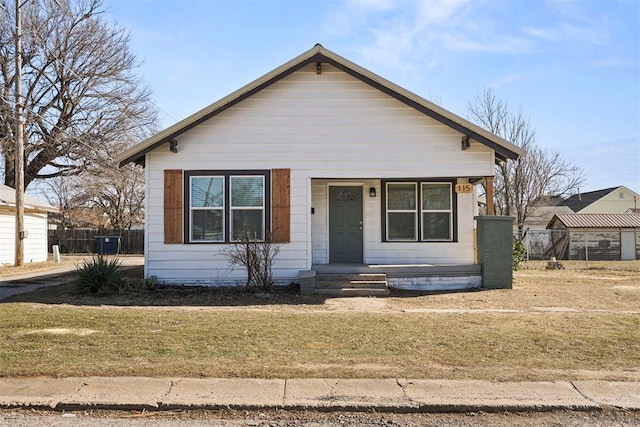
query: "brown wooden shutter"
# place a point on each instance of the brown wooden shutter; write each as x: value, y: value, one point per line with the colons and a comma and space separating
x: 280, y: 205
x: 173, y: 206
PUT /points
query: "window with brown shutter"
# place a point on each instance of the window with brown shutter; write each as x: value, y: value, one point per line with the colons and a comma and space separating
x: 173, y: 206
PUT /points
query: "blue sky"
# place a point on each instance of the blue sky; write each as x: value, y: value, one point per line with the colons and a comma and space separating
x: 572, y: 66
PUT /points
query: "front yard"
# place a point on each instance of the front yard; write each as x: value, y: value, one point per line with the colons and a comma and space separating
x: 575, y: 323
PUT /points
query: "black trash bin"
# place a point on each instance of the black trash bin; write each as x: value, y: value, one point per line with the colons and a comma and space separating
x: 107, y: 245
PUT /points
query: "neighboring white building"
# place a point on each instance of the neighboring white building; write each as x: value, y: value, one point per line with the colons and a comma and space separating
x: 35, y: 224
x: 339, y: 165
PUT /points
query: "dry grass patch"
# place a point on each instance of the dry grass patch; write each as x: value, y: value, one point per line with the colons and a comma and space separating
x: 612, y: 286
x: 568, y: 324
x: 9, y: 271
x: 243, y: 343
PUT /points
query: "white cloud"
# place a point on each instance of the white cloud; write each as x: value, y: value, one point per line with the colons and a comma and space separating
x: 569, y: 33
x: 438, y: 12
x: 373, y: 4
x: 506, y: 81
x: 614, y: 62
x: 485, y: 43
x: 411, y: 35
x: 392, y: 47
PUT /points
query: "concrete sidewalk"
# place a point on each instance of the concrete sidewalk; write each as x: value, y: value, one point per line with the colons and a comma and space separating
x: 397, y: 395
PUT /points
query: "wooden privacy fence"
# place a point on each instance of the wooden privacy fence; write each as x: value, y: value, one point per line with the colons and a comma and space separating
x: 93, y: 241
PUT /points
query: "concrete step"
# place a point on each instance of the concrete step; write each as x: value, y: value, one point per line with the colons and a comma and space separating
x: 382, y: 284
x: 353, y: 292
x: 349, y: 277
x: 368, y: 284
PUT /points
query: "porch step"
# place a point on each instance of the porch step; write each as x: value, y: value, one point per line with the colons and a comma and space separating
x: 341, y: 284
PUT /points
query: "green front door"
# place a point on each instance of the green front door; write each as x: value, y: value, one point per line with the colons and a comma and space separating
x: 345, y: 225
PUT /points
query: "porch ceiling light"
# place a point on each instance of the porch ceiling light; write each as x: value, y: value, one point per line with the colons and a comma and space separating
x: 372, y: 192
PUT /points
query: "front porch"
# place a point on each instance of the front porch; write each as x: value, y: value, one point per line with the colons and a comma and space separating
x: 376, y: 279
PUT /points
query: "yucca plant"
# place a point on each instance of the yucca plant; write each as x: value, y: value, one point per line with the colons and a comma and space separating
x: 100, y: 276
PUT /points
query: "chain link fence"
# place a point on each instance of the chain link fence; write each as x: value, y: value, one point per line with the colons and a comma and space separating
x: 572, y: 245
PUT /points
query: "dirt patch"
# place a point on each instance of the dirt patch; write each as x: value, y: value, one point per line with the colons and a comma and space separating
x: 613, y: 290
x: 62, y: 331
x: 357, y: 304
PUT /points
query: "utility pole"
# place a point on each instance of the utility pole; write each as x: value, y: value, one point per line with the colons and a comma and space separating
x: 19, y: 149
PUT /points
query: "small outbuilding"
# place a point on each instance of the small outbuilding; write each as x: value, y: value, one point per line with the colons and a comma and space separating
x: 598, y: 237
x: 35, y: 225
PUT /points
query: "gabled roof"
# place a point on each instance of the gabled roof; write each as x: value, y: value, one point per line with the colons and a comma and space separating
x: 597, y: 220
x: 8, y: 198
x: 318, y: 54
x: 579, y: 201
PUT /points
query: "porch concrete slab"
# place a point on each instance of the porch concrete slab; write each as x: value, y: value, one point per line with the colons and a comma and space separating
x: 118, y: 393
x: 37, y: 392
x: 225, y: 393
x: 458, y: 395
x: 625, y: 395
x: 345, y: 394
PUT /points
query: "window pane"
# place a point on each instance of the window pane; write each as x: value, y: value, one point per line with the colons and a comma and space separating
x: 207, y: 192
x: 401, y: 226
x: 206, y: 225
x: 436, y: 226
x: 436, y: 197
x: 401, y: 197
x: 248, y: 223
x: 247, y: 191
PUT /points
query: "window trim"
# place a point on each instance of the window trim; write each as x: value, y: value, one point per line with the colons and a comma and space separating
x: 227, y: 208
x: 453, y: 224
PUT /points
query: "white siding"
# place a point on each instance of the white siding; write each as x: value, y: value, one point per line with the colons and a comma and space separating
x: 35, y: 245
x: 7, y: 238
x: 327, y: 125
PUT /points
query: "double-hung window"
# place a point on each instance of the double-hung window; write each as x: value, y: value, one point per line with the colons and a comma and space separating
x: 418, y: 211
x: 437, y: 211
x: 247, y: 207
x: 207, y: 208
x: 225, y: 206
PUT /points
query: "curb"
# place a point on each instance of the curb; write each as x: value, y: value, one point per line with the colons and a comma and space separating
x: 324, y: 395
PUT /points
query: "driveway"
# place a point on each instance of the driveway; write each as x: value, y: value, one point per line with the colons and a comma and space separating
x: 56, y: 274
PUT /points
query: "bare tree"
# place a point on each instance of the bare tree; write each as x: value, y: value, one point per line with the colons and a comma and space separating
x: 101, y: 189
x: 119, y: 193
x: 80, y: 91
x: 65, y: 193
x: 520, y: 183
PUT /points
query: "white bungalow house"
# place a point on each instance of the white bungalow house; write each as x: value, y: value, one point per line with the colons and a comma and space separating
x: 35, y: 226
x: 347, y: 171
